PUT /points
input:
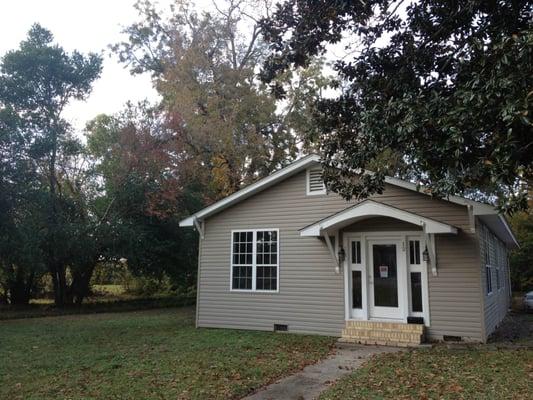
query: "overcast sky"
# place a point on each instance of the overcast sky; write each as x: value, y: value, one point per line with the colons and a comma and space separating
x: 85, y: 25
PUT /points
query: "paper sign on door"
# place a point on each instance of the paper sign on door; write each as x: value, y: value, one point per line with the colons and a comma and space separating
x: 383, y: 271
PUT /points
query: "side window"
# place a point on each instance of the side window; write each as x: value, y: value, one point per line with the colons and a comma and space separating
x: 488, y: 262
x: 255, y: 260
x: 266, y: 260
x: 242, y: 265
x: 488, y: 276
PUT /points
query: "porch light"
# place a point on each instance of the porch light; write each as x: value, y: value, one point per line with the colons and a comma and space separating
x: 341, y: 254
x: 425, y: 255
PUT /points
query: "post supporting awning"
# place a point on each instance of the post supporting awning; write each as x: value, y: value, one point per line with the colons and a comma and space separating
x: 430, y: 245
x: 332, y: 251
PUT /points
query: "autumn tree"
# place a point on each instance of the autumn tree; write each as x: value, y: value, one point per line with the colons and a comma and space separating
x: 146, y: 187
x: 444, y: 85
x: 204, y: 66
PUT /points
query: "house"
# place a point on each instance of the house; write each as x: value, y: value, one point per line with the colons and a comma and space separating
x: 397, y: 268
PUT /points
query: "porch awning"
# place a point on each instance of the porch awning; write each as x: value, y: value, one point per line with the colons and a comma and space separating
x: 368, y: 209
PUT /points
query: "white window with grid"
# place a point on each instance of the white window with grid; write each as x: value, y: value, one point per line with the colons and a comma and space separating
x: 489, y: 259
x: 255, y: 260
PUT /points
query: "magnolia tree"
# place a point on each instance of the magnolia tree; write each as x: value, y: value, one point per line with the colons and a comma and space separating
x: 439, y: 90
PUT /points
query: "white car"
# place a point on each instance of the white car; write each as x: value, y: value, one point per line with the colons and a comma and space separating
x: 528, y: 301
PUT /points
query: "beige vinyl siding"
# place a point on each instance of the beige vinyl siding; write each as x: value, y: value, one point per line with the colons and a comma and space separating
x: 311, y: 294
x: 498, y: 302
x: 455, y: 293
x: 385, y: 224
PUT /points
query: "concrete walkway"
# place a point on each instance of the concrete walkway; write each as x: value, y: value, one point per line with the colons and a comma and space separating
x: 313, y: 379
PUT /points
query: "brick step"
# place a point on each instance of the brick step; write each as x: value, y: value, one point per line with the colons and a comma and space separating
x: 374, y: 342
x: 385, y: 326
x: 383, y: 335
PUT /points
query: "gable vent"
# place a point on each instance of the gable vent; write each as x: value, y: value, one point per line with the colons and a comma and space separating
x: 315, y: 184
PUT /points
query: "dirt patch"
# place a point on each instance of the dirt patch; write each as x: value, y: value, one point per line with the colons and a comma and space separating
x: 516, y: 327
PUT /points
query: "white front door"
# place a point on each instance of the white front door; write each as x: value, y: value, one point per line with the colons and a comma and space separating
x: 386, y: 278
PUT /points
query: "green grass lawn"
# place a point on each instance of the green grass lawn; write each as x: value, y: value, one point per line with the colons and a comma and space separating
x: 441, y: 373
x: 154, y: 354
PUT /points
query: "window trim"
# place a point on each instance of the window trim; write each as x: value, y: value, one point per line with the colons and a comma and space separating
x: 254, y: 261
x: 308, y: 184
x: 422, y: 268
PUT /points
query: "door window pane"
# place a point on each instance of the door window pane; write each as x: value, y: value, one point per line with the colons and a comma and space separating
x: 414, y: 252
x: 356, y: 252
x: 416, y: 291
x: 385, y: 275
x: 357, y: 295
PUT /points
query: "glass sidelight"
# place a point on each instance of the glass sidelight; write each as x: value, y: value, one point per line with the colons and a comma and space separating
x: 357, y: 292
x: 385, y: 274
x: 416, y: 291
x: 415, y: 277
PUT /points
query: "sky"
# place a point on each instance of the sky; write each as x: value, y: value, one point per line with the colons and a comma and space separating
x: 87, y: 26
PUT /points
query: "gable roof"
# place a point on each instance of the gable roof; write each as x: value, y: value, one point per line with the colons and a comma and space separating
x: 487, y: 213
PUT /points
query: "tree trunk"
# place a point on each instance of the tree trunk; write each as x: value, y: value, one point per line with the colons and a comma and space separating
x: 20, y: 286
x: 81, y: 283
x: 59, y: 281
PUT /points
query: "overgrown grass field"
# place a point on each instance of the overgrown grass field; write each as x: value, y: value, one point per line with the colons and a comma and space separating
x: 154, y: 354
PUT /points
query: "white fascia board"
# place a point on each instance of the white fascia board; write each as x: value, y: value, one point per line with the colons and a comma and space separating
x: 250, y: 190
x: 369, y: 208
x: 509, y: 231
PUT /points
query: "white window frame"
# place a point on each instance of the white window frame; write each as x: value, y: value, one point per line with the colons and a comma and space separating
x: 497, y: 265
x: 356, y: 313
x: 421, y: 268
x: 488, y: 259
x: 308, y: 184
x: 254, y: 261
